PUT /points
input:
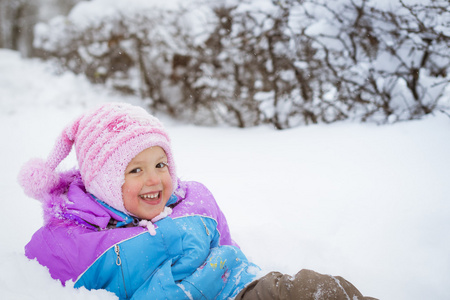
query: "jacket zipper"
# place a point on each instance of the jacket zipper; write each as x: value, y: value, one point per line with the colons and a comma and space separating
x: 119, y: 263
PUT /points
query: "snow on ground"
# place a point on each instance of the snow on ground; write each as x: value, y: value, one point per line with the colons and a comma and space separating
x: 369, y: 203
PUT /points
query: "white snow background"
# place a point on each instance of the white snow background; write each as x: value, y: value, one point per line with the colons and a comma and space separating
x: 367, y: 202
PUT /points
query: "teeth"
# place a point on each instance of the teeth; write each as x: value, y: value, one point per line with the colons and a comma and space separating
x: 150, y: 196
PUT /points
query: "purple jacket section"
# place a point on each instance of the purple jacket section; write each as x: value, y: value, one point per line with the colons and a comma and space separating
x: 75, y: 230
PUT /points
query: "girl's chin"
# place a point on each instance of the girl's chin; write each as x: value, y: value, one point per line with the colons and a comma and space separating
x: 153, y: 213
x: 148, y: 209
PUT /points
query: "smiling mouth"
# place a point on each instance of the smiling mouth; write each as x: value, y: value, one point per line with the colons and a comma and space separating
x: 150, y: 196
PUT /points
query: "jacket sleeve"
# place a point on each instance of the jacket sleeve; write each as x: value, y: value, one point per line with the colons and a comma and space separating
x: 44, y: 247
x: 203, y: 203
x: 223, y: 275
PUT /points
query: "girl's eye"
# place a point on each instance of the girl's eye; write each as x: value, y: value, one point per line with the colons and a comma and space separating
x: 137, y: 170
x: 161, y: 165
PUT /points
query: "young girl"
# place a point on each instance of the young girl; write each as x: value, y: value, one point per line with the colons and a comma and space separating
x: 125, y: 223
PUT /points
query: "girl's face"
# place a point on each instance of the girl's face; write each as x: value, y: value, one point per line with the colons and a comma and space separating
x: 148, y: 185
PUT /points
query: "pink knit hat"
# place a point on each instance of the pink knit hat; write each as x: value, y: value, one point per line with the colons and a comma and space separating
x: 106, y: 139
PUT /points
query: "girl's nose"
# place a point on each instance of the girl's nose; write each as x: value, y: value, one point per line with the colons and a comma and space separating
x: 152, y: 179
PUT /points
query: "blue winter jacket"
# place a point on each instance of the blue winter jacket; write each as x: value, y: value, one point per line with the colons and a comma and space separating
x: 192, y: 255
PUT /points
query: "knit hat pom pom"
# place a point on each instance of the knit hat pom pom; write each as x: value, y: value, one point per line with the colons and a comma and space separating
x: 37, y: 179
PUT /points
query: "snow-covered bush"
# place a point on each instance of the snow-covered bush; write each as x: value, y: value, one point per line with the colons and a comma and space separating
x: 245, y: 63
x: 386, y: 62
